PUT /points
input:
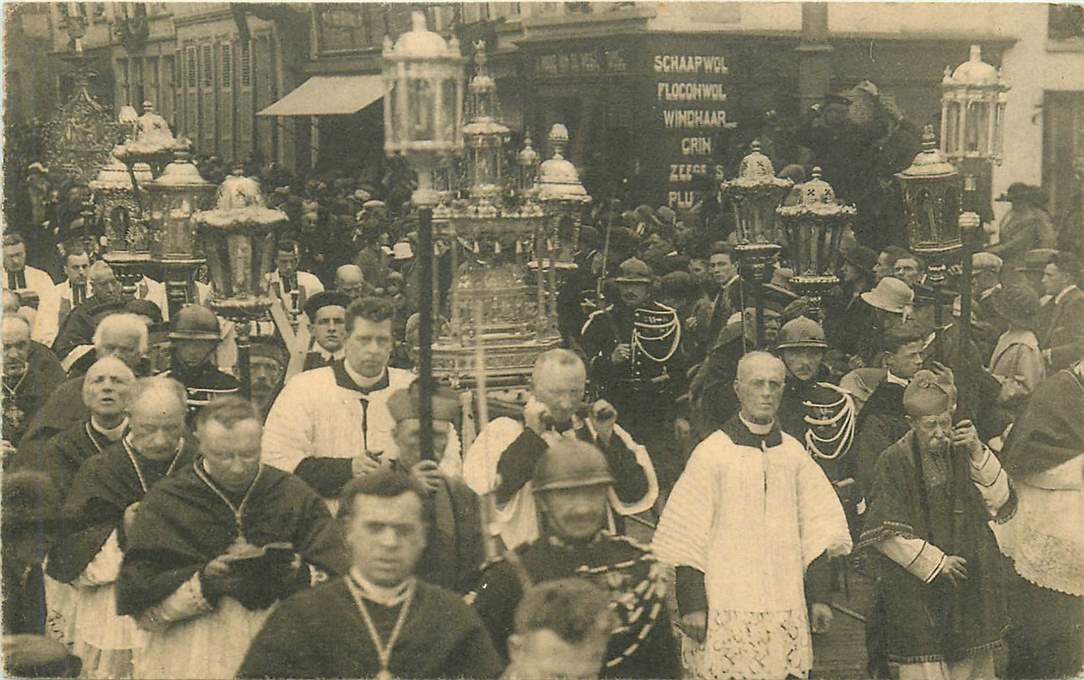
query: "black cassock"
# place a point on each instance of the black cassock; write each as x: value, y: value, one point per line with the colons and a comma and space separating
x: 106, y: 484
x: 320, y: 633
x: 182, y: 524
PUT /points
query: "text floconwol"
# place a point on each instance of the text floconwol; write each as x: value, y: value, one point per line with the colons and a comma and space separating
x: 680, y: 63
x: 691, y: 92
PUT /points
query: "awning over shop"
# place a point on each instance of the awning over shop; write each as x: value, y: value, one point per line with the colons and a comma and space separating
x: 328, y: 96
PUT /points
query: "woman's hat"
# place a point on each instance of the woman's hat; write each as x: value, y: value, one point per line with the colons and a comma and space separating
x: 1019, y: 191
x: 890, y: 295
x: 1017, y: 304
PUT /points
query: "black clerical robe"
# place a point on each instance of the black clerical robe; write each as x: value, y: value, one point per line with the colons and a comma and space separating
x: 183, y: 524
x: 931, y: 498
x: 454, y: 552
x: 320, y: 633
x: 63, y: 455
x: 105, y: 485
x: 23, y: 398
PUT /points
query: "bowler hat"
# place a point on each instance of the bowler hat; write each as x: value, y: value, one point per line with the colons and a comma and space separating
x: 1017, y: 304
x: 1019, y: 191
x: 890, y: 295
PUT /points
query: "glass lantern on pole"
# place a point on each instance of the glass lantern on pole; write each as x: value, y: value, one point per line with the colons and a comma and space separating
x: 931, y: 198
x: 813, y: 229
x: 237, y: 236
x: 755, y: 194
x: 173, y: 198
x: 127, y: 240
x: 423, y: 121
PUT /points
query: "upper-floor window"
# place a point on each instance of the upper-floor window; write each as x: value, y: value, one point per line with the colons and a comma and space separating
x: 227, y: 65
x: 1065, y: 21
x: 246, y: 64
x: 208, y: 66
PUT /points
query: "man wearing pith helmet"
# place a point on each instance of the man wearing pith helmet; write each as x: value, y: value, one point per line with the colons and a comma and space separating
x: 636, y: 359
x: 815, y: 412
x: 571, y: 483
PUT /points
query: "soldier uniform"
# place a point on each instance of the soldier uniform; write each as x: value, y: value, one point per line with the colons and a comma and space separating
x: 205, y: 381
x: 643, y: 645
x: 645, y: 389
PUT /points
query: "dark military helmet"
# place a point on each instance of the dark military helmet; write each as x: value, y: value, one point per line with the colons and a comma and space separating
x: 801, y: 332
x: 195, y: 322
x: 571, y: 464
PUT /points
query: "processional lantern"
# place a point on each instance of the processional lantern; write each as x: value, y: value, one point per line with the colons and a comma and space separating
x: 973, y: 99
x: 172, y: 200
x: 127, y: 240
x: 931, y: 198
x: 237, y: 237
x: 755, y: 194
x: 423, y: 101
x: 813, y: 229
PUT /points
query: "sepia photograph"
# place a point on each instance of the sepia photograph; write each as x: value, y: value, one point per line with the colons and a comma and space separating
x: 721, y: 340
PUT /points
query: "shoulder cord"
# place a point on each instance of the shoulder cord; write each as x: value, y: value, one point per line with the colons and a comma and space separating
x: 844, y: 435
x: 673, y: 328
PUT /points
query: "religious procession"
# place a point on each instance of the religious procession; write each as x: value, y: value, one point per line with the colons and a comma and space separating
x: 720, y: 340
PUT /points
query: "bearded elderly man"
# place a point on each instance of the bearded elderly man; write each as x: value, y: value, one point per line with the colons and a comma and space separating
x: 944, y: 607
x: 99, y: 512
x: 332, y: 424
x: 746, y: 519
x: 214, y: 547
x: 503, y: 457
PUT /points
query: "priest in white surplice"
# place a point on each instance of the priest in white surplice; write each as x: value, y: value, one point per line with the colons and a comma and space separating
x: 749, y: 514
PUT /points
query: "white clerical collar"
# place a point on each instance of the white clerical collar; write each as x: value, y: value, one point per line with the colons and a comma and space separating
x: 1060, y: 296
x: 113, y: 434
x: 757, y: 428
x: 360, y: 380
x: 332, y: 356
x: 895, y: 379
x: 384, y: 596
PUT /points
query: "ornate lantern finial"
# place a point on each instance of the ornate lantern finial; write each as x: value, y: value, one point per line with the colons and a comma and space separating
x: 558, y: 179
x: 931, y: 196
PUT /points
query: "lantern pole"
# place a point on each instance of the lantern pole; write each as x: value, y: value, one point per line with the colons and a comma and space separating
x: 422, y: 199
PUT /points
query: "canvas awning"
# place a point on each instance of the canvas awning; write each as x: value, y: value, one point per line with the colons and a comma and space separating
x: 328, y: 96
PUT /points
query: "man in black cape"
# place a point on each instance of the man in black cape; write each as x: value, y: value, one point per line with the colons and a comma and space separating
x: 213, y: 547
x: 380, y: 620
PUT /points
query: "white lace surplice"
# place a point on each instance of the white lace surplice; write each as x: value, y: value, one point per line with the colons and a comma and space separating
x: 752, y: 521
x: 1044, y: 537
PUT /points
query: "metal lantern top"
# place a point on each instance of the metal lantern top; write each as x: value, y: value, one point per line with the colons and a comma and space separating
x: 180, y: 174
x: 973, y: 99
x: 756, y: 174
x: 114, y: 176
x: 817, y: 199
x: 527, y: 157
x: 239, y: 204
x: 930, y: 163
x: 423, y: 102
x: 558, y: 179
x: 974, y: 73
